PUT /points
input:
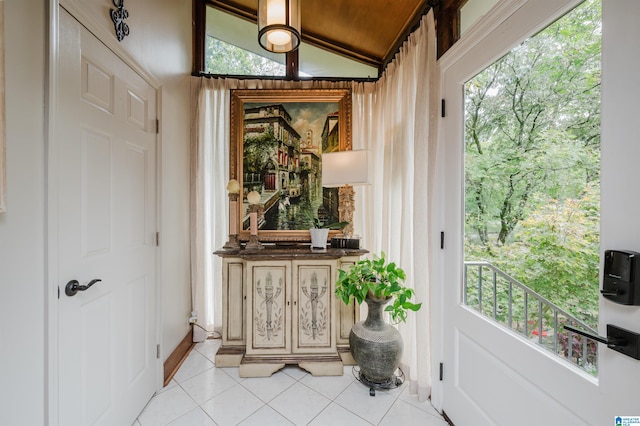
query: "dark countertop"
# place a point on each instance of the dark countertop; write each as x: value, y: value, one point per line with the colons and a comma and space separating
x: 286, y: 252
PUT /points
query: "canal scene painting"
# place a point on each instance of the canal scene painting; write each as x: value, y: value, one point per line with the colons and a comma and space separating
x: 282, y: 142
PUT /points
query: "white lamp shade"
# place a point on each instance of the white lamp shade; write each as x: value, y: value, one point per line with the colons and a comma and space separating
x: 345, y: 168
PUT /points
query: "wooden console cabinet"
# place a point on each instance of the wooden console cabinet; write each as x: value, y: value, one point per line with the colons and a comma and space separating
x: 279, y: 307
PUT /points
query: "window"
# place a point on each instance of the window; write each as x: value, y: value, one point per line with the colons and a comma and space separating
x: 532, y: 177
x: 228, y: 45
x: 231, y: 47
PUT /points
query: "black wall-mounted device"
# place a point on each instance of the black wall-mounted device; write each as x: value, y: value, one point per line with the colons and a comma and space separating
x: 621, y: 277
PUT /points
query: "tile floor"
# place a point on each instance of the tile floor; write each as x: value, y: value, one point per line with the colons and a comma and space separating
x: 201, y: 394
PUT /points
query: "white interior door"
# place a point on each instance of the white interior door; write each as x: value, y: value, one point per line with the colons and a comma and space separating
x: 106, y: 209
x: 492, y: 376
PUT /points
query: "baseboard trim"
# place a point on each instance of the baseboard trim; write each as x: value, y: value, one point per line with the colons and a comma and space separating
x: 177, y: 357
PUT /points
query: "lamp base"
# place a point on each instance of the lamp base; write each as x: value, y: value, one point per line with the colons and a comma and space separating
x: 254, y: 243
x: 346, y: 206
x: 232, y: 244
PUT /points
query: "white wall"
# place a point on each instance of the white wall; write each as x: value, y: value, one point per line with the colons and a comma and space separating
x: 22, y: 262
x: 160, y: 39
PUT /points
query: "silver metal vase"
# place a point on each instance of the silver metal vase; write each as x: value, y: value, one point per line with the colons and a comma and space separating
x: 376, y: 346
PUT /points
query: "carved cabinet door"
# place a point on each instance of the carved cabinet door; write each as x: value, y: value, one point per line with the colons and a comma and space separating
x: 269, y: 304
x: 313, y: 306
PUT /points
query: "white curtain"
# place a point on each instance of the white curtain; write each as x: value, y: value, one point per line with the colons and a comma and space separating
x: 209, y: 220
x: 394, y: 118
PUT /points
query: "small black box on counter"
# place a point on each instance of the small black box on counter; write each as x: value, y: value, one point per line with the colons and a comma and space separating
x: 344, y: 242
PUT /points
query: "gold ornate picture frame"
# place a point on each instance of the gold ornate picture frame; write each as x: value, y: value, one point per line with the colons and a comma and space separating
x: 276, y: 146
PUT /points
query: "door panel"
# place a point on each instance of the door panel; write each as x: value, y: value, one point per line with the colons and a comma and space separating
x: 96, y: 351
x: 313, y: 307
x: 270, y: 308
x: 233, y: 294
x: 106, y: 200
x: 96, y: 193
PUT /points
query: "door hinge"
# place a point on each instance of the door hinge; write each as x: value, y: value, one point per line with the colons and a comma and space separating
x: 157, y: 126
x: 158, y: 352
x: 442, y: 240
x: 157, y: 239
x: 58, y: 292
x: 442, y: 108
x: 441, y: 371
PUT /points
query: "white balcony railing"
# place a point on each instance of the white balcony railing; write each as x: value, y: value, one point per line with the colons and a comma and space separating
x: 495, y: 294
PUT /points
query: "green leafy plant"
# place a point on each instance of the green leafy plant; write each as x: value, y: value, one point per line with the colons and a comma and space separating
x: 375, y: 278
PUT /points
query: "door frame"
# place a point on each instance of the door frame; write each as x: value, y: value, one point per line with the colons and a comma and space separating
x: 496, y: 29
x: 51, y: 291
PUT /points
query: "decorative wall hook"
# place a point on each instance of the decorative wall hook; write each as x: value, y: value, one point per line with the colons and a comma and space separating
x: 118, y: 16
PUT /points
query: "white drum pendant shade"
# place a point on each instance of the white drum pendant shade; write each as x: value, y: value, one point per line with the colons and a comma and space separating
x: 279, y: 25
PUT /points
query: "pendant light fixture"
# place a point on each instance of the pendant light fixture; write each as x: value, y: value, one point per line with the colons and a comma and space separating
x: 279, y: 25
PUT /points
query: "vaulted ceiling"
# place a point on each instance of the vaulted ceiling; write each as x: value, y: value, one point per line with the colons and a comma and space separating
x: 370, y: 31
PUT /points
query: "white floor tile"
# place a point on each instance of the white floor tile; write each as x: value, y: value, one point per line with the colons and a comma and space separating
x: 208, y: 348
x: 356, y: 399
x: 299, y: 404
x: 405, y: 414
x: 171, y: 384
x: 413, y: 400
x: 232, y: 406
x: 294, y: 371
x: 208, y: 384
x: 267, y: 388
x: 195, y: 417
x: 335, y: 415
x: 290, y: 396
x: 329, y: 386
x: 266, y: 416
x: 166, y: 407
x: 195, y: 364
x: 233, y: 372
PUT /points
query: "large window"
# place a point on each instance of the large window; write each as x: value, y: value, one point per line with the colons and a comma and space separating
x: 532, y: 171
x: 231, y: 47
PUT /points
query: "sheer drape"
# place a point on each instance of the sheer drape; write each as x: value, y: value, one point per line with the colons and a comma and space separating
x: 395, y: 119
x: 209, y: 220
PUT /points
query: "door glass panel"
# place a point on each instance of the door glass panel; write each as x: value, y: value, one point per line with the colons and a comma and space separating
x: 532, y: 186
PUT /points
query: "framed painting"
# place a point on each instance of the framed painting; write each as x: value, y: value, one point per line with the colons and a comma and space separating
x: 277, y: 141
x: 3, y: 182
